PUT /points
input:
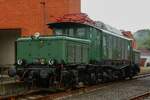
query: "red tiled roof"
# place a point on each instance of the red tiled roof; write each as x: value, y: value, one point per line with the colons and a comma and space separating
x: 76, y: 17
x: 128, y: 34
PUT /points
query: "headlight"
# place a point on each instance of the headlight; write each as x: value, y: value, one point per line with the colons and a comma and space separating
x: 37, y: 61
x: 42, y: 61
x: 20, y: 62
x: 51, y: 62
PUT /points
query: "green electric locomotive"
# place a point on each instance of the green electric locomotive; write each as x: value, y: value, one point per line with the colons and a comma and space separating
x: 74, y: 55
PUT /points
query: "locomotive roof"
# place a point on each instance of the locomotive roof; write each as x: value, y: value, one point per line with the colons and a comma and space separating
x: 59, y: 24
x: 55, y: 38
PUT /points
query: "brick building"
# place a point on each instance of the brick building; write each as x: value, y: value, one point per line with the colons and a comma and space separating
x: 25, y: 17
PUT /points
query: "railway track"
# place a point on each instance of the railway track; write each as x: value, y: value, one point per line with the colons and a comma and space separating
x: 144, y: 96
x: 49, y: 94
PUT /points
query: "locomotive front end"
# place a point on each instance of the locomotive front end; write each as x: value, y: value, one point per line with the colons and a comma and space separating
x: 36, y: 59
x: 49, y: 61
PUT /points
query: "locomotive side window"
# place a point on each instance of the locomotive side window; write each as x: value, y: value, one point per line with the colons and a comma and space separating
x: 90, y: 33
x: 71, y: 53
x: 80, y: 32
x: 110, y: 47
x: 104, y: 46
x: 119, y: 48
x: 58, y: 32
x: 107, y: 46
x: 78, y: 55
x: 85, y: 51
x: 129, y: 50
x: 126, y: 50
x: 98, y: 42
x: 65, y: 31
x: 121, y: 51
x: 71, y: 32
x: 115, y: 49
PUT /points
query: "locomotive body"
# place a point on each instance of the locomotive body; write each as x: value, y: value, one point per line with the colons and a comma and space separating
x: 76, y: 54
x: 52, y: 48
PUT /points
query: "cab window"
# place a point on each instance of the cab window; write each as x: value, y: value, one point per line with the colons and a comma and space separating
x: 80, y: 32
x: 71, y: 32
x: 58, y: 32
x: 64, y: 31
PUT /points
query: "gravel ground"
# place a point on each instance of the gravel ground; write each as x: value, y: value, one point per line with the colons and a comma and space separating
x: 148, y: 98
x: 145, y: 70
x: 117, y: 91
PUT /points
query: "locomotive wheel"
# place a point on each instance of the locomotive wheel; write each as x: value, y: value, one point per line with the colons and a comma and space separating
x: 130, y: 73
x: 104, y: 78
x: 115, y: 74
x: 44, y: 82
x: 122, y: 74
x: 92, y: 79
x: 110, y: 73
x: 44, y: 78
x: 68, y: 80
x: 107, y: 75
x: 130, y: 77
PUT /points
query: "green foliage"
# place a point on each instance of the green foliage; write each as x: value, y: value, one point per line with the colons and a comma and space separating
x: 143, y: 38
x: 147, y: 42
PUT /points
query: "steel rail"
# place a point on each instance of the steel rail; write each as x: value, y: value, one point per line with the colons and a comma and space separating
x: 140, y: 97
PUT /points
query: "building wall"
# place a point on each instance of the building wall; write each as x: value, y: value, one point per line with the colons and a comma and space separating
x: 74, y: 6
x: 26, y: 17
x: 7, y: 45
x: 32, y: 15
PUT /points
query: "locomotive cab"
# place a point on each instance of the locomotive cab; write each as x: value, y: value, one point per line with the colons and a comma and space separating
x: 69, y: 29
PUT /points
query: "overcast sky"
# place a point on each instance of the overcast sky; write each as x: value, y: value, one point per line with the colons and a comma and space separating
x: 129, y: 15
